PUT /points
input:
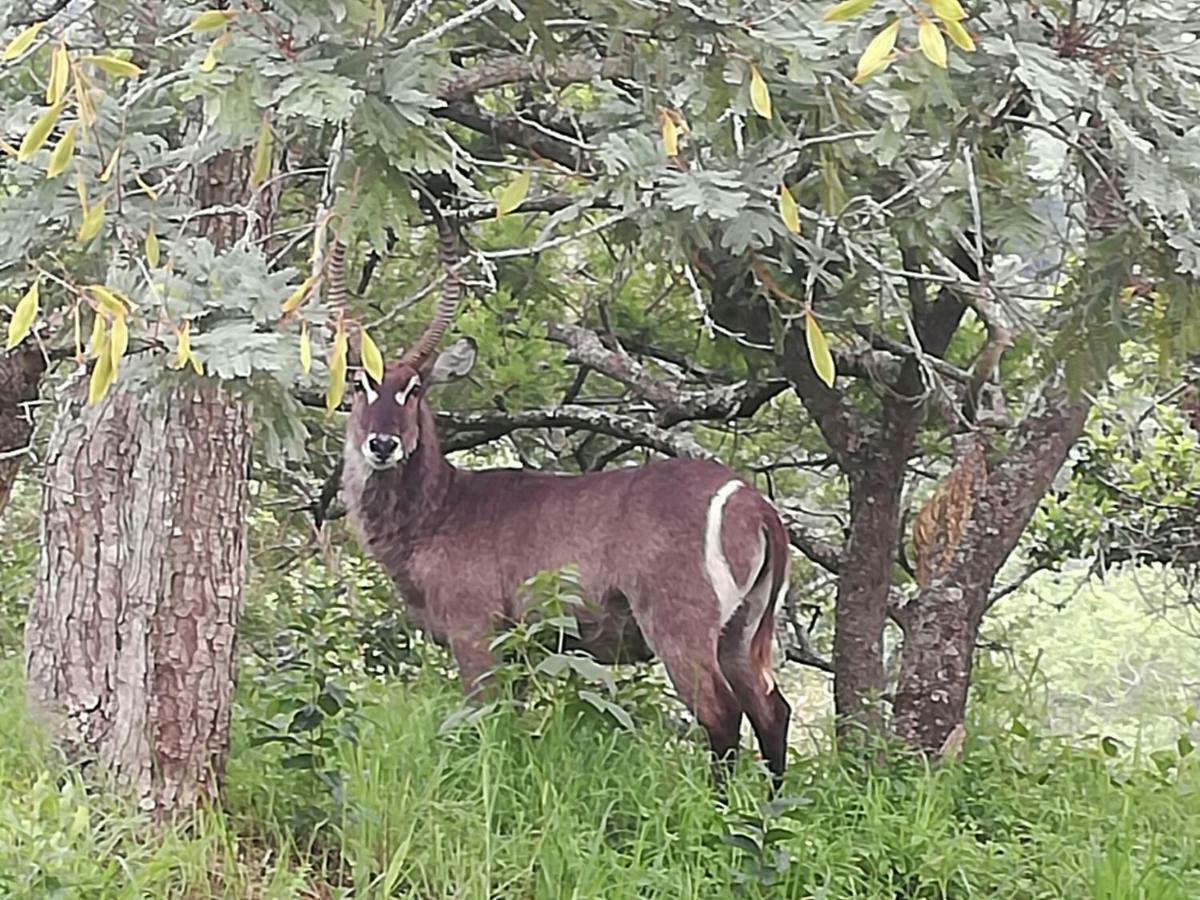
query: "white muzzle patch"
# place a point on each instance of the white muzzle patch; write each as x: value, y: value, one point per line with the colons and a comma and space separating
x: 382, y: 451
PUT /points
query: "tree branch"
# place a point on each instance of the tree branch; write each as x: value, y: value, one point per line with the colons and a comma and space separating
x: 497, y: 71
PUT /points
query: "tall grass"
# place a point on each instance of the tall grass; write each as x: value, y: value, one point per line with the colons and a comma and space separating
x: 569, y: 805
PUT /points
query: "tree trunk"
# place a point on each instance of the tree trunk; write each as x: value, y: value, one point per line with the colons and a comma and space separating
x: 974, y: 529
x: 20, y: 373
x: 131, y: 634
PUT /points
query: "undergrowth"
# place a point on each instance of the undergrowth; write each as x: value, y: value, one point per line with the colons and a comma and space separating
x: 356, y: 771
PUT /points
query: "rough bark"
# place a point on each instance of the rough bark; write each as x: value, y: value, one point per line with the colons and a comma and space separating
x: 941, y: 624
x: 20, y: 374
x: 131, y: 634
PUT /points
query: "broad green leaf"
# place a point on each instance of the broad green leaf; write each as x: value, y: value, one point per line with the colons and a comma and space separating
x: 22, y: 317
x: 36, y: 136
x: 120, y: 68
x: 760, y: 96
x: 933, y: 45
x: 93, y: 221
x: 372, y: 358
x: 818, y: 350
x: 305, y: 349
x: 878, y: 52
x: 948, y: 10
x: 788, y: 210
x: 102, y: 375
x: 847, y: 9
x: 211, y: 20
x: 152, y: 248
x: 512, y: 194
x: 60, y: 70
x: 21, y: 42
x: 337, y: 370
x: 961, y: 37
x: 118, y: 340
x: 60, y: 156
x: 262, y: 154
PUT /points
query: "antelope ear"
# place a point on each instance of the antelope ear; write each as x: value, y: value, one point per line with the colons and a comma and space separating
x: 452, y: 363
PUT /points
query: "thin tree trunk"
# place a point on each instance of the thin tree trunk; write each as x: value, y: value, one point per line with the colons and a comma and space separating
x: 132, y: 631
x: 20, y: 374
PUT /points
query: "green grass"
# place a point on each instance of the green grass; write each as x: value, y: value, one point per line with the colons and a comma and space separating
x: 567, y: 805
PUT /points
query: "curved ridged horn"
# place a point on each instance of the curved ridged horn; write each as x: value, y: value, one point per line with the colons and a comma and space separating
x: 447, y: 303
x: 337, y: 276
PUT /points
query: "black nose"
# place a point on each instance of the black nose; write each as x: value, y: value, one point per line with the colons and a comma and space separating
x: 382, y: 446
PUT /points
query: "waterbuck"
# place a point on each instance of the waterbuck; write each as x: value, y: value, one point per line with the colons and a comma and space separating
x: 679, y: 559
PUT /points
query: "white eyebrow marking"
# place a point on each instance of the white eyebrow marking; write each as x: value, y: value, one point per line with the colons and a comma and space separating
x: 372, y: 394
x: 413, y: 384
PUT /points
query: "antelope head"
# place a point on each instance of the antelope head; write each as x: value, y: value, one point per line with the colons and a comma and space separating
x: 390, y: 414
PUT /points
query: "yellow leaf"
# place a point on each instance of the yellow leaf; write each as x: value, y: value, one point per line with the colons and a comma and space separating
x: 60, y: 69
x: 818, y: 350
x: 96, y: 343
x: 152, y: 248
x: 372, y: 358
x: 118, y: 340
x: 115, y: 66
x: 211, y: 20
x: 108, y: 299
x: 196, y: 367
x: 961, y: 37
x: 60, y: 156
x: 512, y: 194
x: 262, y: 154
x: 102, y: 375
x: 305, y: 349
x: 150, y: 192
x: 337, y: 370
x: 847, y: 9
x: 296, y: 297
x: 788, y: 210
x: 8, y: 148
x: 93, y: 221
x: 670, y: 135
x: 214, y: 50
x: 21, y: 42
x: 760, y: 97
x: 86, y: 111
x: 380, y: 15
x: 933, y: 45
x: 22, y: 317
x: 183, y: 347
x: 948, y: 10
x: 36, y: 136
x: 112, y: 165
x: 875, y: 56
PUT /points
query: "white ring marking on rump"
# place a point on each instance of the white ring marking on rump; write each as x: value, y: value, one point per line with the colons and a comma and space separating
x: 720, y: 575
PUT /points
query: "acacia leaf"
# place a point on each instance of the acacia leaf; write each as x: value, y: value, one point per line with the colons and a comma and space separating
x: 262, y: 154
x: 305, y: 349
x: 152, y: 255
x: 60, y: 70
x: 118, y: 340
x: 93, y: 221
x: 114, y: 65
x: 102, y: 374
x: 948, y: 10
x: 961, y: 37
x: 211, y: 20
x: 337, y: 370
